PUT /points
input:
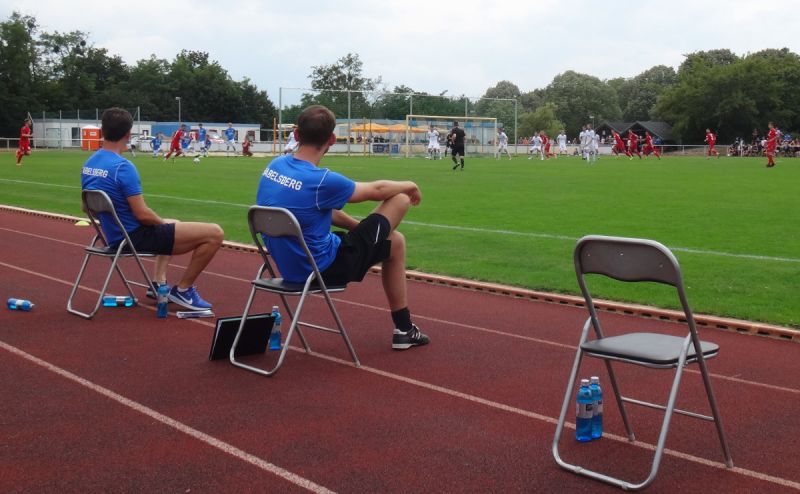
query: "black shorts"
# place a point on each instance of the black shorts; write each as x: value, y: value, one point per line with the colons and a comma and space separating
x: 361, y: 248
x: 458, y: 149
x: 158, y: 239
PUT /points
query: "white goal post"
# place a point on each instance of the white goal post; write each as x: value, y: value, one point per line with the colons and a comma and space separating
x: 481, y: 133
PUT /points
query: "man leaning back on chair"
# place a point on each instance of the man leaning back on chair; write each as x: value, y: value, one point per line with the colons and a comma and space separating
x: 316, y: 197
x: 108, y: 171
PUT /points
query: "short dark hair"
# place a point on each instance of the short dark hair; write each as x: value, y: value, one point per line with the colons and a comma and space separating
x: 116, y: 123
x: 315, y: 125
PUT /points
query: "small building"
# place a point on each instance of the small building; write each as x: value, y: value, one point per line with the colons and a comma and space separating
x: 659, y: 130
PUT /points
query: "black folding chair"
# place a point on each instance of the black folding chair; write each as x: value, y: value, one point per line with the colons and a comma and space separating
x: 96, y: 202
x: 280, y: 222
x: 634, y: 260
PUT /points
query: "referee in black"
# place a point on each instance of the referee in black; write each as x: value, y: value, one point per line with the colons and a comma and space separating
x: 457, y: 137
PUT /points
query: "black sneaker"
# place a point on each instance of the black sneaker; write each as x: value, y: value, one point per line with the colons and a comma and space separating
x: 405, y: 340
x: 152, y: 290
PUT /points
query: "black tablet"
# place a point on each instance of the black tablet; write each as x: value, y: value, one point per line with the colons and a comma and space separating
x: 254, y: 338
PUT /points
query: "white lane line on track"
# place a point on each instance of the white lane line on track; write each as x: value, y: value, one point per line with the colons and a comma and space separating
x: 507, y: 408
x: 170, y: 422
x: 545, y: 235
x: 419, y: 316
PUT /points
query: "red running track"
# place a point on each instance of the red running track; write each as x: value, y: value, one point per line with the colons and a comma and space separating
x: 129, y: 403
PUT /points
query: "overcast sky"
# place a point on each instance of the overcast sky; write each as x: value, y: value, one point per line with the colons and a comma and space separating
x: 463, y: 47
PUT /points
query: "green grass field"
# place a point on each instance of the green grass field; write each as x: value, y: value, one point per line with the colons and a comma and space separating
x: 732, y: 223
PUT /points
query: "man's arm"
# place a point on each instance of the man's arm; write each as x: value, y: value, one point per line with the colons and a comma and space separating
x: 380, y: 190
x: 343, y: 220
x: 142, y: 212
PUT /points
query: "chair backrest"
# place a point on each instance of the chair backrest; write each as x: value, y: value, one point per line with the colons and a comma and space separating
x: 95, y: 203
x: 274, y: 222
x: 630, y: 260
x: 277, y: 222
x: 627, y: 259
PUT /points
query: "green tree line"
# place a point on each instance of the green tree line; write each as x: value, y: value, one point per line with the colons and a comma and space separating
x: 44, y: 71
x: 714, y: 89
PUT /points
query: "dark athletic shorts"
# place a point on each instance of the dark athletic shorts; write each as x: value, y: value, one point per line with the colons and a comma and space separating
x: 458, y: 149
x: 158, y: 239
x: 363, y: 247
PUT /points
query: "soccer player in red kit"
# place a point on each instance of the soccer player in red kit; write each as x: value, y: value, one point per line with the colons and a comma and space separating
x: 175, y: 145
x: 633, y: 144
x: 711, y: 140
x: 619, y: 145
x: 772, y: 144
x: 546, y: 145
x: 25, y: 134
x: 648, y: 146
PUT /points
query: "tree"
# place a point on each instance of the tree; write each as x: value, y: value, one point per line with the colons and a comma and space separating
x: 578, y: 97
x: 543, y: 118
x: 733, y: 98
x: 491, y: 104
x: 333, y: 80
x: 638, y: 96
x: 706, y: 59
x: 17, y: 82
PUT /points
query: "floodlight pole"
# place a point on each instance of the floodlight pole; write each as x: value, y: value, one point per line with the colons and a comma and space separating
x: 515, y: 126
x: 349, y: 125
x: 178, y: 99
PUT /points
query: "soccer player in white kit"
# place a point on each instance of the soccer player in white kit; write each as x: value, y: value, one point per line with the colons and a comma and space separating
x: 562, y: 142
x: 433, y: 144
x: 584, y: 139
x: 595, y: 145
x: 502, y: 144
x: 536, y: 146
x: 291, y: 144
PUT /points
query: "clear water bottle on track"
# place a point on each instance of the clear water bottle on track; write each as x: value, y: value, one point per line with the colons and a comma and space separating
x: 275, y: 334
x: 584, y: 413
x: 19, y: 304
x: 597, y: 403
x: 118, y: 301
x: 161, y: 298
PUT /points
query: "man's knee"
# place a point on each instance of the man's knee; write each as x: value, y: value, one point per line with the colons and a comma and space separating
x: 217, y: 234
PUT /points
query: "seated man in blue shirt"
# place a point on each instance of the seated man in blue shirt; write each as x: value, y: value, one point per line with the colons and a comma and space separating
x: 316, y: 197
x: 108, y: 171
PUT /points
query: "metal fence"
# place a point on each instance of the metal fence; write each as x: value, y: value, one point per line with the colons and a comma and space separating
x: 357, y: 109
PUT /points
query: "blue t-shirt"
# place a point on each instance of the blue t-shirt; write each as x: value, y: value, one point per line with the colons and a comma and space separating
x: 230, y: 133
x: 156, y: 142
x: 117, y: 177
x: 311, y: 194
x: 201, y: 135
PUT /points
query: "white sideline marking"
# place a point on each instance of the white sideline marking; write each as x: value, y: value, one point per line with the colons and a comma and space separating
x: 545, y: 235
x: 170, y: 422
x: 490, y: 403
x: 383, y: 309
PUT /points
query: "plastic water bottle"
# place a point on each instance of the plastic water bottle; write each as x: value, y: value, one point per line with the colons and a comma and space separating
x: 19, y: 304
x: 118, y: 301
x: 161, y: 297
x: 275, y: 334
x: 583, y: 420
x: 597, y: 403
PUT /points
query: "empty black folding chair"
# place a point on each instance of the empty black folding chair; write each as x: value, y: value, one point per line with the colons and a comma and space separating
x: 633, y: 260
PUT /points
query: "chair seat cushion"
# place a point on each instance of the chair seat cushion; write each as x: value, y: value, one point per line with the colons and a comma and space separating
x: 646, y: 348
x: 279, y: 285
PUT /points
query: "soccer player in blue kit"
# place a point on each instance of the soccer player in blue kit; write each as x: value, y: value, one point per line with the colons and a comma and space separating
x: 230, y: 139
x: 316, y: 196
x: 109, y: 171
x: 202, y: 134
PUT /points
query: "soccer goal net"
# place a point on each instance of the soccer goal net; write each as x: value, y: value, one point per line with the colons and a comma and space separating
x: 480, y: 133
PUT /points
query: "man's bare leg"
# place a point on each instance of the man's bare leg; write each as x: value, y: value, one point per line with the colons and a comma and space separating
x: 203, y: 240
